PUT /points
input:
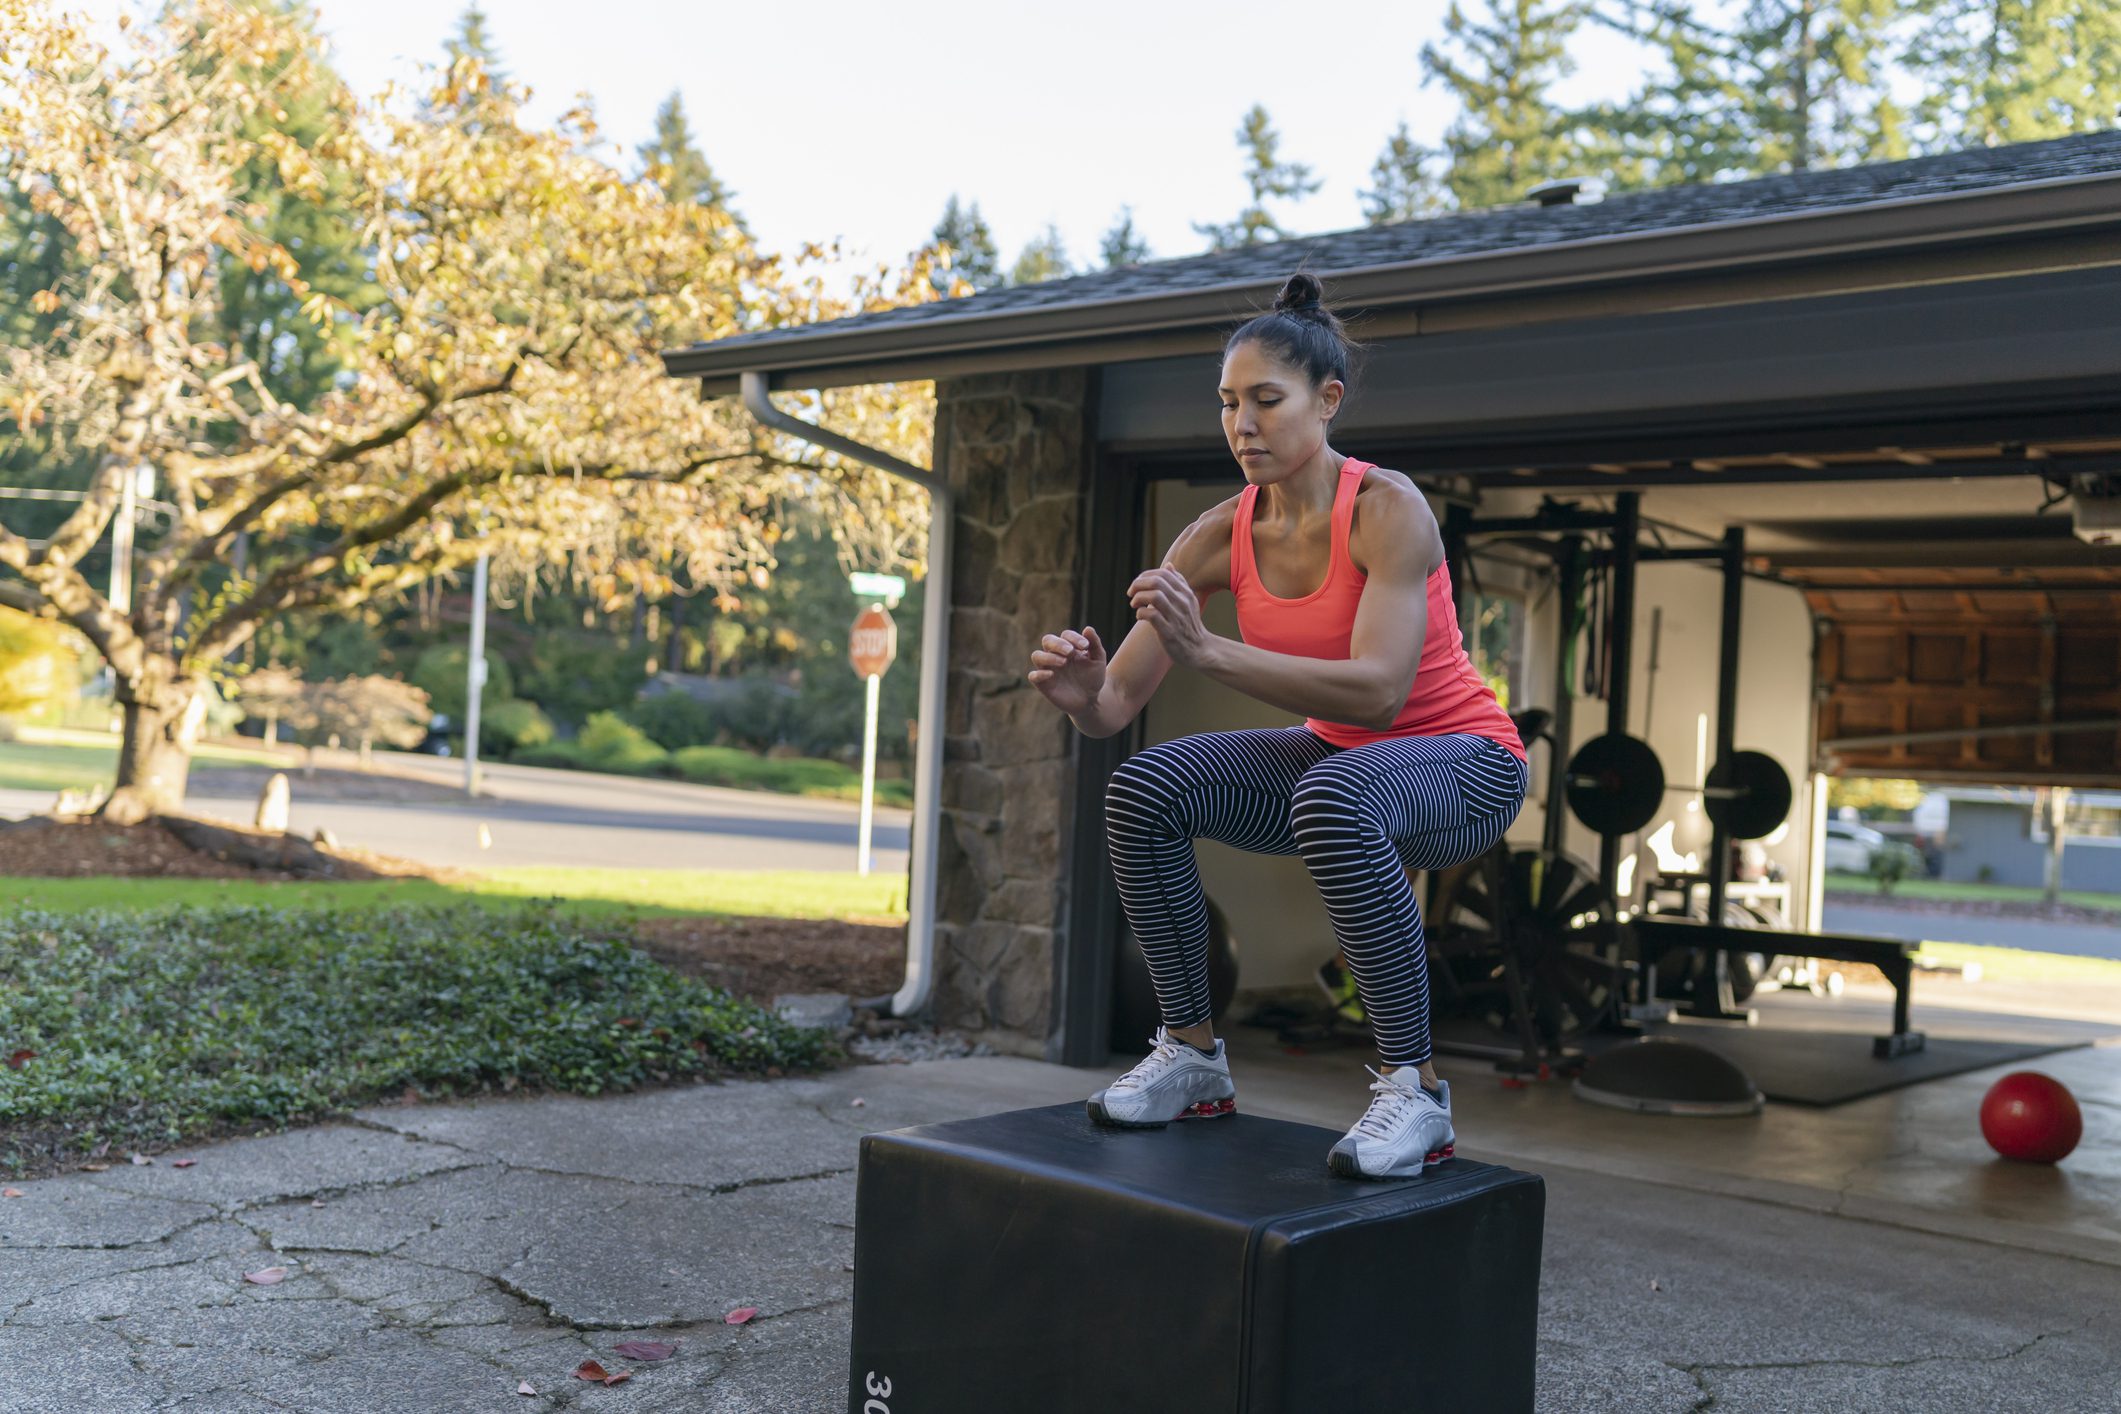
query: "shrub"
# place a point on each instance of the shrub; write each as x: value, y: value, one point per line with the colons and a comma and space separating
x: 553, y: 753
x: 1889, y: 864
x: 506, y: 728
x: 756, y: 714
x: 674, y: 720
x: 441, y: 671
x: 797, y: 775
x: 573, y: 679
x: 252, y: 1016
x: 611, y: 743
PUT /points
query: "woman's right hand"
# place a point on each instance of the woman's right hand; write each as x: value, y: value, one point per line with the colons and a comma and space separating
x: 1069, y: 667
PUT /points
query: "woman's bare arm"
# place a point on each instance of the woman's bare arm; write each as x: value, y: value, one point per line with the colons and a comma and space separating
x: 1200, y: 558
x: 1366, y: 689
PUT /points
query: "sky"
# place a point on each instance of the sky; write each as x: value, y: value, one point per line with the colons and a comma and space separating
x: 831, y: 119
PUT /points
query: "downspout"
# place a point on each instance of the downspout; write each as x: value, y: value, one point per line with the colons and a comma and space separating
x: 912, y: 995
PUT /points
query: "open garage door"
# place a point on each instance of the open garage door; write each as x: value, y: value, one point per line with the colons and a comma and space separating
x: 1975, y: 683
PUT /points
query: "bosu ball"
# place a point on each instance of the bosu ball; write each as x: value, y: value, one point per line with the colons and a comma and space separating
x: 1667, y: 1076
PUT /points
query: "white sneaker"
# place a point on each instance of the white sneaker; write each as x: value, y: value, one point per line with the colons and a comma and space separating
x: 1405, y: 1130
x: 1174, y: 1081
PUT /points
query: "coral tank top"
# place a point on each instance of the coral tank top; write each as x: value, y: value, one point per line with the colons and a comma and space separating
x: 1448, y: 696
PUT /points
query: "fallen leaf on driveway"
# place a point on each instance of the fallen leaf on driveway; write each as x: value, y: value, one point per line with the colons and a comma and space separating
x: 645, y: 1349
x: 183, y: 1163
x: 524, y: 1388
x: 95, y: 1168
x: 10, y: 1193
x: 859, y: 1102
x: 740, y: 1315
x: 268, y: 1276
x: 591, y: 1370
x: 140, y: 1160
x: 20, y: 1058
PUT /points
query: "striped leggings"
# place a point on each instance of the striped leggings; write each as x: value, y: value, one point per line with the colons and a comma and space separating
x: 1360, y: 816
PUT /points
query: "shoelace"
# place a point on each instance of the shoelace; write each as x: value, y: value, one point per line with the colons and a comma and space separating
x: 1391, y: 1107
x: 1165, y: 1051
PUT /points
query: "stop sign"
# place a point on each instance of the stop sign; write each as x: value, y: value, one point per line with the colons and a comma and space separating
x: 873, y: 643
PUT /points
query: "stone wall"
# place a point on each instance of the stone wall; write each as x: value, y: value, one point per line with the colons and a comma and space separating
x: 1015, y: 449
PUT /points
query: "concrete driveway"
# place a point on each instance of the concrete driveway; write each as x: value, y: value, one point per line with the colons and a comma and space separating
x: 438, y: 1256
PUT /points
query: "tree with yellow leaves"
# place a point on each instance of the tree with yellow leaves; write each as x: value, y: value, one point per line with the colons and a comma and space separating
x: 499, y: 390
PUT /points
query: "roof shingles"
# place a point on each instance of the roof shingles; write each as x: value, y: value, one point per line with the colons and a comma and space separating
x: 1517, y: 227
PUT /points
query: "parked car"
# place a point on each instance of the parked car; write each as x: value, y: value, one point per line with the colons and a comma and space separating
x: 1850, y: 847
x: 436, y: 742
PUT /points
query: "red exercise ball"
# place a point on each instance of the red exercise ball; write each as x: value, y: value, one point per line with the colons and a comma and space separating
x: 2031, y: 1117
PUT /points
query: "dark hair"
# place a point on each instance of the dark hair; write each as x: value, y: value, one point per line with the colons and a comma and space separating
x: 1301, y: 332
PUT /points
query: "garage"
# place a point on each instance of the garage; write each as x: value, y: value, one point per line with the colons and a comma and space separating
x: 1823, y: 467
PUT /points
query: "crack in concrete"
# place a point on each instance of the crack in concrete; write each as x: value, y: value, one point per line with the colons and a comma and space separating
x: 1701, y: 1371
x: 172, y: 1266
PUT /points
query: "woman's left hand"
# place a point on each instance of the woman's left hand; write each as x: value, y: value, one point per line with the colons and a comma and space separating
x: 1164, y: 600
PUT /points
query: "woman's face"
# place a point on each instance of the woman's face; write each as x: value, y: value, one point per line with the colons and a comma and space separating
x: 1273, y: 419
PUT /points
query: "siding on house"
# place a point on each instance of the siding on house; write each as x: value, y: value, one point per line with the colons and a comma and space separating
x: 1998, y: 835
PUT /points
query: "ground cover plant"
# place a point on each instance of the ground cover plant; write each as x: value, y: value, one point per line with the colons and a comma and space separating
x: 125, y: 1032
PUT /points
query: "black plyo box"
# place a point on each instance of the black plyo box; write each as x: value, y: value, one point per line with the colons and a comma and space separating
x: 1037, y: 1263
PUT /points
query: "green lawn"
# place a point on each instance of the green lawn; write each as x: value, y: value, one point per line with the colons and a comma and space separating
x: 583, y: 892
x: 56, y: 760
x: 1984, y: 893
x: 2020, y: 965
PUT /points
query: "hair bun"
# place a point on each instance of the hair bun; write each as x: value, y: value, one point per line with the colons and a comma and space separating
x: 1300, y: 294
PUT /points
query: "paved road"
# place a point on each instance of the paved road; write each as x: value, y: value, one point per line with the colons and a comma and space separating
x: 535, y: 815
x: 2039, y: 935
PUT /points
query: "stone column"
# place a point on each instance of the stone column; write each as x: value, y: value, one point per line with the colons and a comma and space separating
x: 1016, y: 449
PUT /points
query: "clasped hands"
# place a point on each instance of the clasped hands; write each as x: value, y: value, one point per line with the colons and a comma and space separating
x: 1164, y: 600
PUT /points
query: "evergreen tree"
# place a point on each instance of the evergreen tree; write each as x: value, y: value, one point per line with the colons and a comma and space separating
x: 473, y: 42
x: 298, y: 359
x: 1996, y: 71
x: 674, y: 161
x: 1268, y: 178
x: 1502, y: 66
x: 1123, y: 245
x: 1402, y: 187
x: 1044, y: 258
x: 972, y: 254
x: 1788, y: 86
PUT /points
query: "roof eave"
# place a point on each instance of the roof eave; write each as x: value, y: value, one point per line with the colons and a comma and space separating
x: 1902, y: 225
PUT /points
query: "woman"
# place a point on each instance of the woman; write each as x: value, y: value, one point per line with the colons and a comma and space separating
x: 1405, y: 759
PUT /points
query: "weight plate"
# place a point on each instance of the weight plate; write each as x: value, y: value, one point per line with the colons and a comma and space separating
x: 1763, y: 795
x: 1615, y: 784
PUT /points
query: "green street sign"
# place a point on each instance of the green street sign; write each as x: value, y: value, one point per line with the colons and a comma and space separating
x: 877, y: 586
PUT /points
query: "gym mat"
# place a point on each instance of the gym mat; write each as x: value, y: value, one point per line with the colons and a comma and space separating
x: 1820, y: 1067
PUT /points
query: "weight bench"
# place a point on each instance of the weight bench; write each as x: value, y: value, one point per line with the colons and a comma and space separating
x: 1654, y: 937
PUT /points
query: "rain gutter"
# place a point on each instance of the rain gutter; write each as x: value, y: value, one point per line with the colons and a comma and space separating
x: 912, y: 995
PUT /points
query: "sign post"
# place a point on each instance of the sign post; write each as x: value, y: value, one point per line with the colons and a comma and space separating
x: 871, y: 646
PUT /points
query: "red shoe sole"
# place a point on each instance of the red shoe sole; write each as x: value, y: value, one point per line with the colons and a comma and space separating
x: 1210, y: 1109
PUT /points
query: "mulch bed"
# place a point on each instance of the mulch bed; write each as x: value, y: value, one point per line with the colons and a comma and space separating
x: 760, y: 958
x: 49, y: 847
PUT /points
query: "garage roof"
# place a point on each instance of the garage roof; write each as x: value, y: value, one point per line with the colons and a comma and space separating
x: 1976, y: 194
